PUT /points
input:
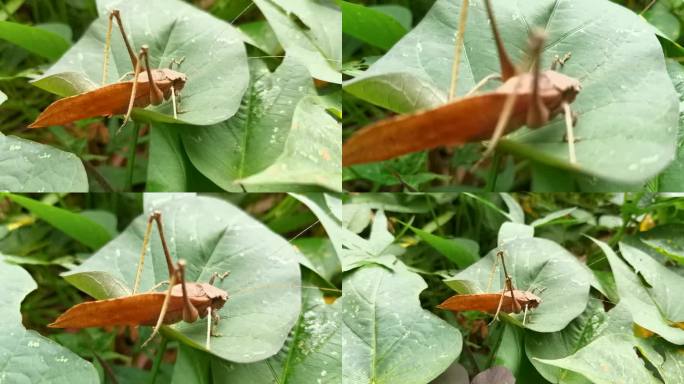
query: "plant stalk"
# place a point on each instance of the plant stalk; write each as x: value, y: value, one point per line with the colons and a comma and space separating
x: 158, y: 359
x: 131, y: 157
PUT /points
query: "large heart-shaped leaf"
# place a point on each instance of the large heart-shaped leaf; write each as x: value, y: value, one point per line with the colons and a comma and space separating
x: 628, y: 110
x: 215, y: 59
x: 212, y: 236
x: 388, y: 337
x: 533, y: 263
x: 642, y: 304
x: 312, y: 353
x: 256, y: 137
x: 26, y: 356
x: 26, y: 166
x: 318, y: 43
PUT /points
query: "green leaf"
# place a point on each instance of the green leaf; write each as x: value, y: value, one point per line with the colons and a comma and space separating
x: 310, y: 32
x: 213, y: 236
x: 580, y: 332
x: 509, y: 352
x: 672, y: 179
x: 33, y: 39
x: 664, y: 285
x: 321, y: 257
x: 637, y: 298
x: 608, y: 360
x: 9, y: 8
x: 624, y: 138
x: 76, y: 226
x: 399, y: 12
x: 388, y: 337
x: 515, y: 211
x: 377, y: 249
x: 392, y: 202
x: 167, y: 166
x: 672, y: 366
x: 261, y: 35
x: 312, y: 154
x: 26, y: 166
x: 662, y: 18
x: 215, y: 59
x: 533, y: 263
x: 192, y: 366
x: 312, y: 353
x: 28, y: 357
x: 667, y: 240
x: 512, y: 231
x: 256, y: 136
x: 460, y: 251
x: 552, y: 216
x: 370, y: 25
x: 328, y: 210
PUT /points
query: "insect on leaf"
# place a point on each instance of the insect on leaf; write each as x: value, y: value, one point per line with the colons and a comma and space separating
x: 215, y: 58
x: 214, y: 236
x: 626, y: 128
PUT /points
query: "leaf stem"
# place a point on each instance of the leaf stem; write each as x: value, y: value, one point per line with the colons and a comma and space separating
x: 131, y: 157
x: 158, y: 359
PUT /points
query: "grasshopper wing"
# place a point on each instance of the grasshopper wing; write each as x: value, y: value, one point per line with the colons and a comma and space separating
x: 140, y: 309
x: 459, y: 122
x: 485, y: 302
x: 489, y: 302
x: 109, y: 100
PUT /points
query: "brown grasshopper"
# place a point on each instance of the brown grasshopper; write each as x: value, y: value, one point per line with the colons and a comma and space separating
x: 509, y: 300
x: 186, y: 301
x: 148, y: 86
x: 524, y: 99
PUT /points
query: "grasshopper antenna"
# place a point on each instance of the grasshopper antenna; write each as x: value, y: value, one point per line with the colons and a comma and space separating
x: 458, y: 48
x: 155, y: 216
x: 508, y: 70
x: 141, y: 262
x: 115, y: 14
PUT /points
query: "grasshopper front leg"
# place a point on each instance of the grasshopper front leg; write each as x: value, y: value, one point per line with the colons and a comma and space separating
x: 155, y: 96
x: 190, y: 313
x: 162, y: 312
